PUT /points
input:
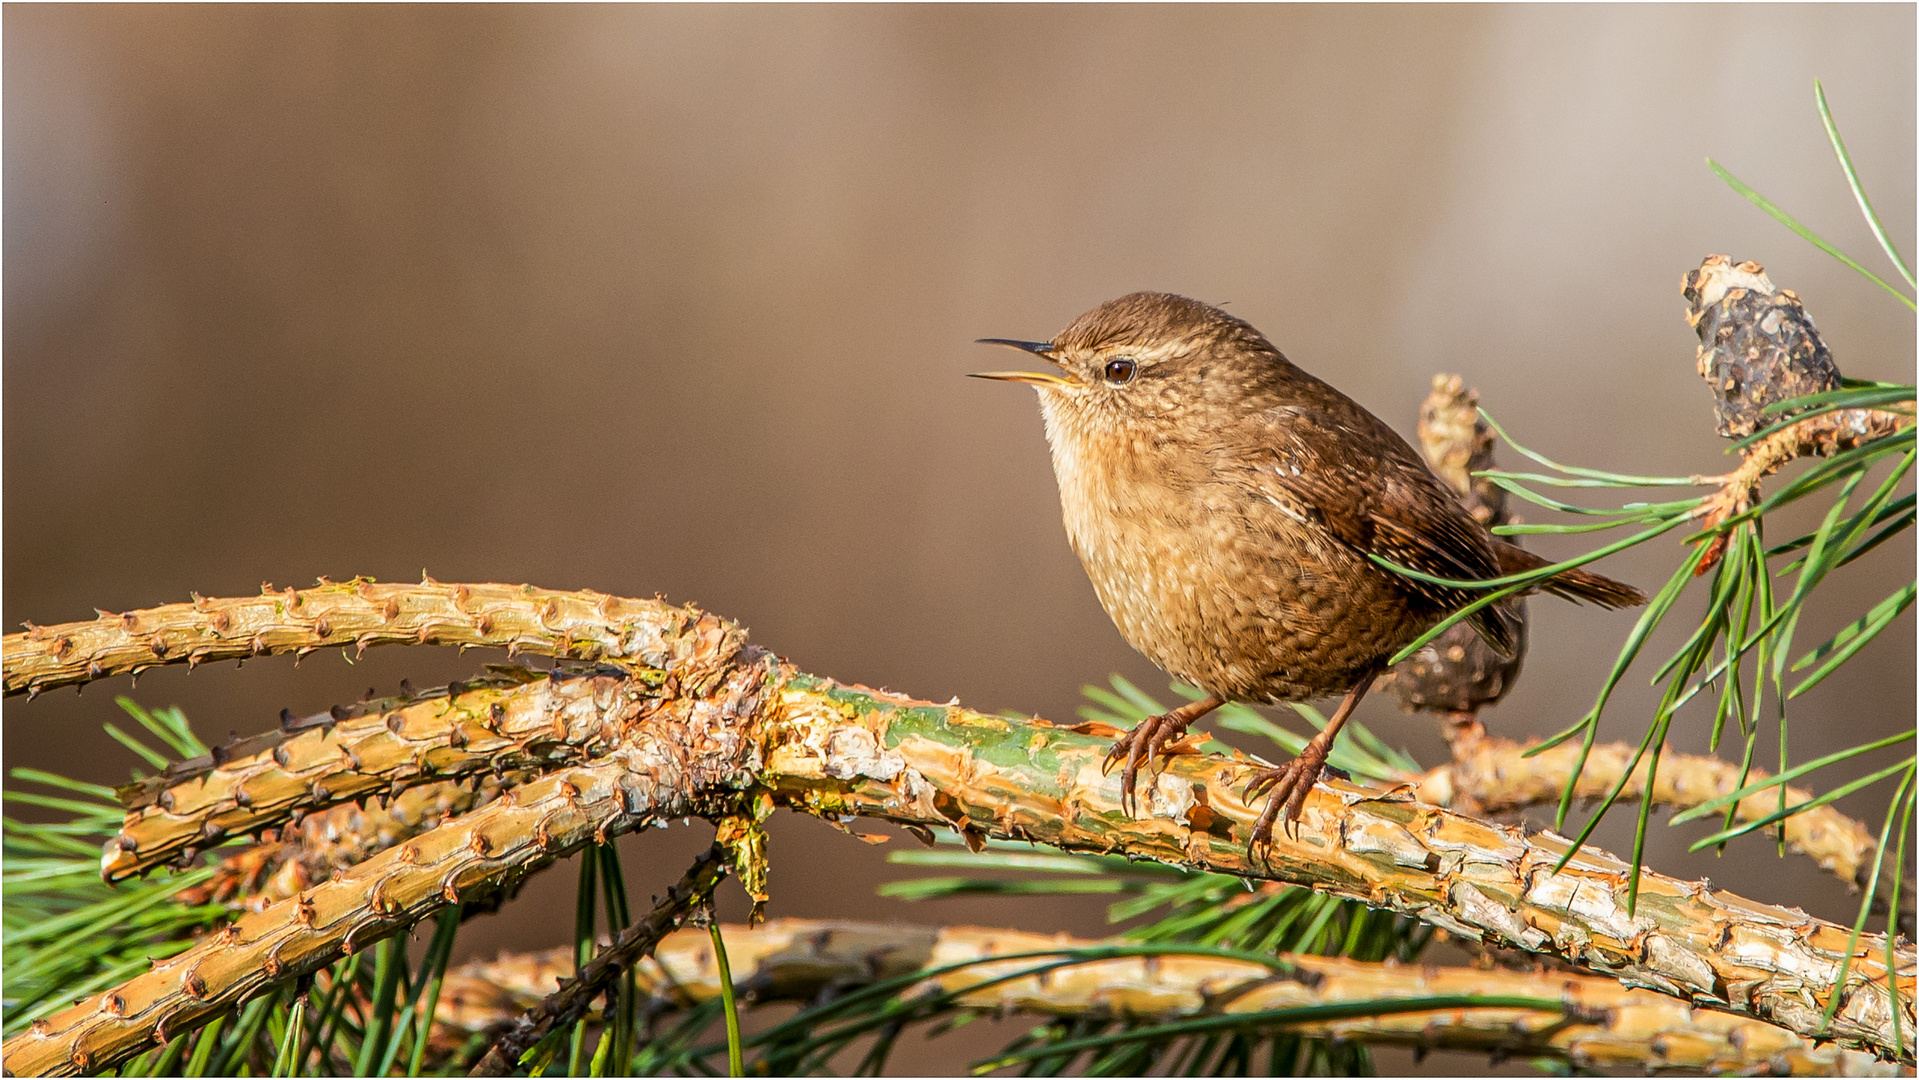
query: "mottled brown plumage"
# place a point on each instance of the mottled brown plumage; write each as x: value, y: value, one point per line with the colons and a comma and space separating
x: 1224, y: 503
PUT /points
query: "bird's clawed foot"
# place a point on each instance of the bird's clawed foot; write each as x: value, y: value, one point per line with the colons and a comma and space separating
x: 1289, y: 784
x: 1141, y: 746
x: 1144, y: 743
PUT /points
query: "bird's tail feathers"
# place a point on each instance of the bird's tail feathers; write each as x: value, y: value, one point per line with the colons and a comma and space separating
x: 1575, y: 584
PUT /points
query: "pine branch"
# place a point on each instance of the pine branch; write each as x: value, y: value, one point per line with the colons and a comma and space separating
x: 1758, y: 349
x: 1823, y: 435
x: 640, y: 635
x: 1604, y: 1025
x: 1496, y: 776
x: 650, y: 776
x: 848, y: 751
x: 470, y: 858
x: 513, y: 720
x: 336, y: 838
x: 717, y: 717
x: 1459, y: 674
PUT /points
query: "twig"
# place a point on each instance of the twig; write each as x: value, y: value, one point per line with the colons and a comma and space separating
x: 1822, y: 435
x: 335, y: 839
x: 1757, y: 349
x: 1458, y: 673
x: 568, y: 1003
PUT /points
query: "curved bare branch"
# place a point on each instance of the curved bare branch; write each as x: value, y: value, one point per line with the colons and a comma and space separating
x: 1610, y: 1026
x: 640, y: 636
x: 515, y: 720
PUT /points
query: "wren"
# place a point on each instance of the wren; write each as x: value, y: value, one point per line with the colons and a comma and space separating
x: 1224, y: 503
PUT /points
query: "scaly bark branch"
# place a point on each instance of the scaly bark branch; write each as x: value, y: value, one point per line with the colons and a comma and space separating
x: 1605, y: 1025
x: 1496, y: 776
x: 1758, y: 347
x: 722, y: 716
x: 509, y: 722
x: 690, y: 756
x: 467, y: 859
x: 337, y: 838
x: 841, y: 750
x: 639, y: 636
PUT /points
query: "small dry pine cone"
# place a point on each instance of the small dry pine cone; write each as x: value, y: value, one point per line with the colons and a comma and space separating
x: 1460, y: 673
x: 1757, y: 344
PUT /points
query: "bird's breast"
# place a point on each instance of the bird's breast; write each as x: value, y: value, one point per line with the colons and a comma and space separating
x: 1235, y: 593
x: 1162, y: 551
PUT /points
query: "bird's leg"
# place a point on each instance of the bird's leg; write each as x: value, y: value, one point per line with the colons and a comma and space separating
x: 1290, y: 782
x: 1143, y: 742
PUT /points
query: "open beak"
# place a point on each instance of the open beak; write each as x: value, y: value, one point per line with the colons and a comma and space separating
x: 1042, y: 349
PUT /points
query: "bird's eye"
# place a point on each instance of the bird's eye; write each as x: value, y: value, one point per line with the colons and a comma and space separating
x: 1120, y: 372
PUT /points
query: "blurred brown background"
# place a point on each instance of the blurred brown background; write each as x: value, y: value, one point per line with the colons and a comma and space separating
x: 678, y: 299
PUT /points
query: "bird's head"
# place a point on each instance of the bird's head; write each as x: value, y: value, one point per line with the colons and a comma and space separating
x: 1149, y: 356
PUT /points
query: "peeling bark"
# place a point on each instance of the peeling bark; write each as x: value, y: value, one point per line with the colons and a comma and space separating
x: 841, y: 750
x: 691, y: 755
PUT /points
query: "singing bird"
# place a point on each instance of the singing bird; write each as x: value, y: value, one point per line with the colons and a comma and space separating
x: 1225, y: 504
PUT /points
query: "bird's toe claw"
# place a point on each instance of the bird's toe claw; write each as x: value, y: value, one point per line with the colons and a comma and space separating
x: 1137, y: 748
x: 1289, y: 785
